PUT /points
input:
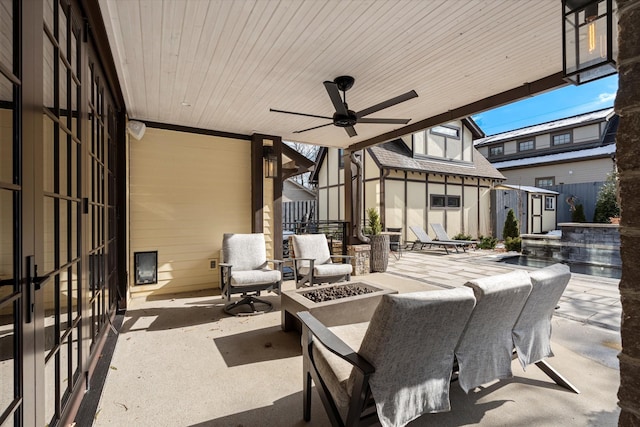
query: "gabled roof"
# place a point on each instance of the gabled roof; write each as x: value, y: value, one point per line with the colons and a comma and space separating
x: 396, y: 155
x: 586, y: 154
x: 569, y: 122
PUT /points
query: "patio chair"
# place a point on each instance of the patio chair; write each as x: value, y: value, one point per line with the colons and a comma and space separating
x: 485, y: 350
x: 442, y: 236
x: 244, y: 270
x: 313, y: 263
x: 392, y: 369
x: 424, y: 240
x: 532, y: 331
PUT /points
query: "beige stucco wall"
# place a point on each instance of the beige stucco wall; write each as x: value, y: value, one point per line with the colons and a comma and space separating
x: 564, y: 173
x: 186, y: 191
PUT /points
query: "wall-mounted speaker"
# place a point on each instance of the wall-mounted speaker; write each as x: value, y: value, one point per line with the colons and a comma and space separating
x: 136, y: 129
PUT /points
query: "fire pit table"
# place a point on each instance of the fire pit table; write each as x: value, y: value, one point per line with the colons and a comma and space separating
x: 339, y: 303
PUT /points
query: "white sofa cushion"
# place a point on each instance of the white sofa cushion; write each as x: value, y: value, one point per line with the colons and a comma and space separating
x: 244, y: 251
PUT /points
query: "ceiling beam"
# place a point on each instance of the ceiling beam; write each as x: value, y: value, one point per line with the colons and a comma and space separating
x: 526, y: 90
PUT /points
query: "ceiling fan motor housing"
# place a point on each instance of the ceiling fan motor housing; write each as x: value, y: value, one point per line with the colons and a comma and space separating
x: 343, y: 120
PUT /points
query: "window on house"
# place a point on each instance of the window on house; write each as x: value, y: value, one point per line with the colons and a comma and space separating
x: 526, y: 145
x: 439, y: 201
x: 545, y: 182
x: 549, y: 203
x: 496, y: 150
x: 561, y: 138
x: 448, y: 131
x: 445, y: 142
x: 340, y: 158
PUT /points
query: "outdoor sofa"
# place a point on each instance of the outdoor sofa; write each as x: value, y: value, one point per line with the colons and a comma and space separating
x: 399, y: 364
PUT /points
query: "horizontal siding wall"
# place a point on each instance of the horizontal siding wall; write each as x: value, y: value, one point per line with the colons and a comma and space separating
x: 567, y: 173
x: 186, y: 191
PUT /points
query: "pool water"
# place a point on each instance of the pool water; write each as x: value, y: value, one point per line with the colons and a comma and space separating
x: 592, y: 270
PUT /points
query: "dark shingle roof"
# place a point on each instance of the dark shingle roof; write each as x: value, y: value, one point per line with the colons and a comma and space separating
x: 396, y: 155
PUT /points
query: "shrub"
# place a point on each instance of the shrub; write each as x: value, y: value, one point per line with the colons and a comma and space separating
x: 375, y: 227
x: 462, y: 236
x: 578, y: 214
x: 511, y: 226
x: 513, y: 244
x: 487, y: 242
x: 607, y: 204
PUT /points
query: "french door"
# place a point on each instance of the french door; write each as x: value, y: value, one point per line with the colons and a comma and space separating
x: 58, y: 270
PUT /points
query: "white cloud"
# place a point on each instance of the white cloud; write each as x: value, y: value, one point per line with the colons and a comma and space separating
x: 606, y: 97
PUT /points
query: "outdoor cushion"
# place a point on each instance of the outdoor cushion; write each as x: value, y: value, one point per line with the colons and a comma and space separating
x: 532, y: 331
x: 255, y: 277
x: 335, y: 371
x: 327, y: 270
x: 485, y: 349
x: 311, y: 246
x: 244, y: 251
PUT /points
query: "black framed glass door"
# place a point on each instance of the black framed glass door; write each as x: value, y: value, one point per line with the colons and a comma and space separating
x: 11, y: 286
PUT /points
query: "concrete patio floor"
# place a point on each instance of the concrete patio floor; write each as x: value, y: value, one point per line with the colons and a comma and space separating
x: 180, y: 361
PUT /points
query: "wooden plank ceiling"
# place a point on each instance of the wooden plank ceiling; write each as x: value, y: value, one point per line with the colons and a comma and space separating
x: 221, y: 64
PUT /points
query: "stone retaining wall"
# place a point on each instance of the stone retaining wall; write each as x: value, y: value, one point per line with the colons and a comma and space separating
x: 584, y: 243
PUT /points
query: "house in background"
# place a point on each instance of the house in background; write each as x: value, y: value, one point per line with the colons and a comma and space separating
x: 571, y: 156
x: 432, y: 176
x: 536, y: 208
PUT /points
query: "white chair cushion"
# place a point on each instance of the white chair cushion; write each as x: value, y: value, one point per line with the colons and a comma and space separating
x: 311, y: 246
x: 244, y: 251
x: 532, y: 331
x: 254, y: 277
x: 328, y: 270
x: 485, y: 348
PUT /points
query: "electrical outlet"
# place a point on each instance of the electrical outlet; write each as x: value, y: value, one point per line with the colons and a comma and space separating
x: 213, y: 264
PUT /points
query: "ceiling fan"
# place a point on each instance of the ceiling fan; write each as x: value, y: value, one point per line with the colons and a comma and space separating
x: 346, y: 118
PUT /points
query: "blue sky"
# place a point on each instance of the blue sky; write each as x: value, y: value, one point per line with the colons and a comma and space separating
x: 564, y: 102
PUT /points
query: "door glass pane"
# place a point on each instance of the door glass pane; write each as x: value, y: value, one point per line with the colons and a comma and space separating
x: 48, y: 149
x: 6, y: 130
x: 63, y: 218
x: 64, y: 294
x: 65, y: 379
x: 47, y: 78
x: 6, y: 243
x: 49, y: 235
x: 49, y: 295
x: 48, y: 14
x: 62, y: 88
x: 62, y: 33
x: 50, y: 391
x: 63, y: 162
x: 7, y: 354
x: 6, y: 33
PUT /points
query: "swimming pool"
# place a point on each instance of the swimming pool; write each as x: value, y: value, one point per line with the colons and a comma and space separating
x: 590, y: 269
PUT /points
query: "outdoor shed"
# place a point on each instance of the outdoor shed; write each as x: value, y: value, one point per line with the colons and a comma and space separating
x: 535, y: 208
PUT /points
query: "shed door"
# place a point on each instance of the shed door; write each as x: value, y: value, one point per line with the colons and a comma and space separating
x: 536, y: 214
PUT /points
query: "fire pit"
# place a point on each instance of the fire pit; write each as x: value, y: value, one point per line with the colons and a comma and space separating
x: 332, y: 304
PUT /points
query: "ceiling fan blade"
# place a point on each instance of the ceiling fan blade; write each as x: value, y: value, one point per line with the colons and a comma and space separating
x: 386, y: 104
x: 315, y: 127
x: 385, y: 121
x: 300, y: 114
x: 334, y: 94
x: 350, y: 131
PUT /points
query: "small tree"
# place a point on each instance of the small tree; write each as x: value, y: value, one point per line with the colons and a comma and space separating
x: 375, y: 227
x: 578, y: 214
x: 511, y: 226
x: 607, y: 204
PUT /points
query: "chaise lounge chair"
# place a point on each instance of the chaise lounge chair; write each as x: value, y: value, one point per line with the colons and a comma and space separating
x: 424, y: 240
x: 442, y: 236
